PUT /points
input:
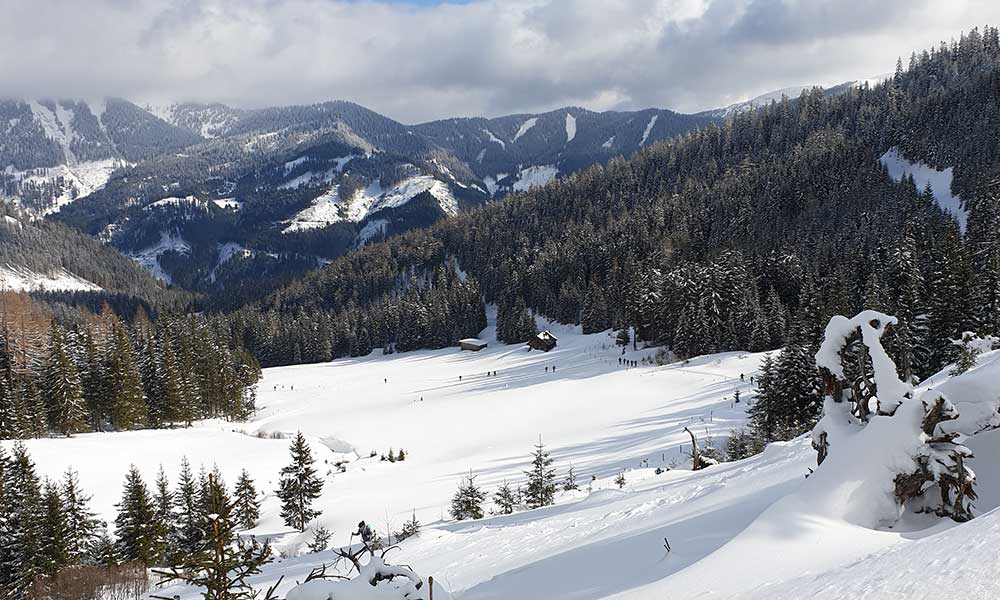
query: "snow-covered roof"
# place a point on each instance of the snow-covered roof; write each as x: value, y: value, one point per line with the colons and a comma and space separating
x: 474, y: 341
x: 547, y: 335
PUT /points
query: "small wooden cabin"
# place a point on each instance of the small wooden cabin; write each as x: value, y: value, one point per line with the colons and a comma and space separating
x: 543, y: 341
x: 472, y: 344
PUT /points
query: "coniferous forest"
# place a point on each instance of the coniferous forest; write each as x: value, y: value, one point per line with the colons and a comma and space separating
x: 744, y: 235
x: 747, y: 233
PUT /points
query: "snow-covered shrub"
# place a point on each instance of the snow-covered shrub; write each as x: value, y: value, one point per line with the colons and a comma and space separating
x: 875, y: 432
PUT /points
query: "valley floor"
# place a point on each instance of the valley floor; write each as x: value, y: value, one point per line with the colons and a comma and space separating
x: 743, y: 529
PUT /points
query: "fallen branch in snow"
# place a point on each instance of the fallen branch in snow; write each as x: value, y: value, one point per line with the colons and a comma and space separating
x: 698, y: 460
x: 375, y: 580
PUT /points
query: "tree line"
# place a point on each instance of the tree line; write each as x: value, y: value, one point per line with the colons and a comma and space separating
x: 737, y: 236
x: 101, y: 373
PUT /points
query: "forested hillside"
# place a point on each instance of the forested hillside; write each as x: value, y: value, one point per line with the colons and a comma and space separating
x: 747, y: 234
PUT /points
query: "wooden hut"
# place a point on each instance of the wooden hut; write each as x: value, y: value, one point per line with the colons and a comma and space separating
x: 472, y: 344
x: 543, y: 341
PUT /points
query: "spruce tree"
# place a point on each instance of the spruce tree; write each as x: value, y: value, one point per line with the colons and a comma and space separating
x: 320, y: 540
x: 410, y: 528
x: 21, y: 543
x: 127, y: 400
x: 246, y: 504
x: 53, y: 552
x: 506, y: 499
x: 188, y: 510
x: 136, y: 524
x: 570, y: 483
x: 467, y: 503
x: 299, y: 486
x: 221, y: 562
x: 61, y: 386
x: 82, y: 525
x: 541, y: 489
x: 166, y: 518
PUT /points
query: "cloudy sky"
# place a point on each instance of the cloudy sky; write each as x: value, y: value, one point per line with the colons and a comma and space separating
x: 417, y: 60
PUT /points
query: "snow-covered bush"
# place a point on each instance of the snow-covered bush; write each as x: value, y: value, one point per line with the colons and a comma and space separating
x: 875, y: 432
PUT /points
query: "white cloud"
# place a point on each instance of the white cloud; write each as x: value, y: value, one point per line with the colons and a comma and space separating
x: 481, y: 58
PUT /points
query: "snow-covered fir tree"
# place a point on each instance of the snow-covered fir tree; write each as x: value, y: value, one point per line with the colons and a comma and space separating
x: 136, y: 526
x: 467, y: 503
x: 246, y: 503
x: 506, y: 499
x: 299, y: 486
x: 541, y: 488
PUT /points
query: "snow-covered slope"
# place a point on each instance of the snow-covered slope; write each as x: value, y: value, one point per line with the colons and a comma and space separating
x: 329, y: 207
x: 748, y: 529
x: 21, y: 279
x: 73, y: 181
x: 149, y: 257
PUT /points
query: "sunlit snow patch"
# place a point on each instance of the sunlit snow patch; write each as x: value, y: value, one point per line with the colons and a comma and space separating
x: 924, y: 175
x: 570, y: 127
x: 534, y: 177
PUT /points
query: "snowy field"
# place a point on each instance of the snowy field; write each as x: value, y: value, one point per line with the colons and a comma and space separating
x: 750, y: 529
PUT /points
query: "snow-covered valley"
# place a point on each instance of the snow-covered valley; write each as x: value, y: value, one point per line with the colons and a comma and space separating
x: 451, y: 416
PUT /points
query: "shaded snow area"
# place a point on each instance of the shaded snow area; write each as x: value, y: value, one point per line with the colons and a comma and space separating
x: 570, y: 127
x: 227, y: 252
x: 525, y: 127
x: 373, y: 228
x: 492, y: 183
x: 534, y: 176
x: 649, y: 129
x: 313, y: 177
x: 83, y: 177
x: 57, y: 125
x: 924, y: 175
x: 149, y: 257
x: 20, y: 279
x: 753, y: 529
x: 608, y: 142
x: 329, y: 208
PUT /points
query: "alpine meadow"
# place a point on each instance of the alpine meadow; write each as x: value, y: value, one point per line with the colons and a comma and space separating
x: 628, y: 300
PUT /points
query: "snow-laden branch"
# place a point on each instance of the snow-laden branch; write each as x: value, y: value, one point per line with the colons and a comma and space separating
x: 889, y: 443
